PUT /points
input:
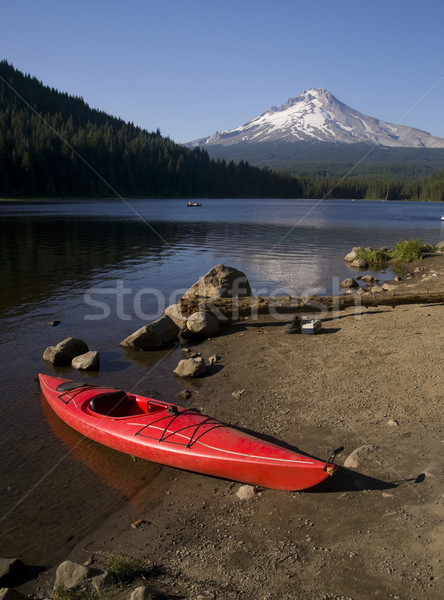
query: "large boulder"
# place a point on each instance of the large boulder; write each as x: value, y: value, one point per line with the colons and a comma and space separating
x: 203, y: 324
x: 157, y: 334
x: 220, y: 282
x: 90, y: 361
x: 174, y: 311
x: 191, y: 367
x: 72, y: 576
x: 63, y: 353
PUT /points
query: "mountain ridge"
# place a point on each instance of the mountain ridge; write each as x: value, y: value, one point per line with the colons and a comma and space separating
x: 316, y: 115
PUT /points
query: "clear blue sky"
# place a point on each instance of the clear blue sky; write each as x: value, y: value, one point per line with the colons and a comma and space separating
x: 191, y: 67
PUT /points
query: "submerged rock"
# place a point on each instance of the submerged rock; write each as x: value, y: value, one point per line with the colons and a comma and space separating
x: 349, y: 283
x: 63, y: 353
x: 90, y: 361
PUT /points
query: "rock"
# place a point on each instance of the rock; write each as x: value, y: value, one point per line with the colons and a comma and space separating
x: 184, y: 395
x: 376, y: 289
x: 214, y: 359
x: 392, y: 423
x: 90, y: 361
x: 174, y: 311
x: 63, y: 353
x: 440, y: 246
x: 369, y: 279
x: 54, y: 323
x: 220, y: 282
x: 203, y: 324
x: 9, y: 594
x: 351, y: 256
x: 144, y: 592
x: 191, y: 367
x: 357, y: 456
x: 389, y: 287
x: 246, y: 492
x: 72, y: 576
x: 359, y: 263
x: 349, y: 283
x: 9, y: 570
x: 157, y: 334
x: 238, y: 394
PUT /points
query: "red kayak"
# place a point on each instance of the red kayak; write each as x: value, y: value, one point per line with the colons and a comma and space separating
x: 178, y: 437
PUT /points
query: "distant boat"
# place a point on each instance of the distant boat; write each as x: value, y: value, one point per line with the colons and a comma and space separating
x: 442, y: 218
x: 193, y: 204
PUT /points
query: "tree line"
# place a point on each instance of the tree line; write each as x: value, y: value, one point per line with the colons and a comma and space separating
x: 54, y: 145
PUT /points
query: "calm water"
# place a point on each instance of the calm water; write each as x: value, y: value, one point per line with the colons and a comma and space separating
x: 105, y: 268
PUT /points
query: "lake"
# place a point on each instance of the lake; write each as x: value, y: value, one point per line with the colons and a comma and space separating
x: 105, y: 268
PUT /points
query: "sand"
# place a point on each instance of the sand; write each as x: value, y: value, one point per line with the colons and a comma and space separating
x: 372, y: 377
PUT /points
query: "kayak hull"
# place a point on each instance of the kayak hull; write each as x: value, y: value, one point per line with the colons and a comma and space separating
x: 178, y: 437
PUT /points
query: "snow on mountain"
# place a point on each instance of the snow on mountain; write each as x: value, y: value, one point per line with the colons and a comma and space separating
x: 316, y: 115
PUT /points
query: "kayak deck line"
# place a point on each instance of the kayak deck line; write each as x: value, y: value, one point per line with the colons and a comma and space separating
x: 165, y: 435
x: 241, y: 454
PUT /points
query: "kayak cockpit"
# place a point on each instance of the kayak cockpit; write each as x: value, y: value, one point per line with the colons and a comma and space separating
x: 117, y: 404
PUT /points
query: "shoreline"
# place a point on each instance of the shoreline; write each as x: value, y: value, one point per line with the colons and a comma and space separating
x: 374, y: 378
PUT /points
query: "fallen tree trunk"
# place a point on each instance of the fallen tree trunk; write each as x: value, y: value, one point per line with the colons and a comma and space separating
x: 233, y: 308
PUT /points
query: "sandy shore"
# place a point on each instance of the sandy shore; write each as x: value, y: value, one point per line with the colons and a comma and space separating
x: 372, y: 378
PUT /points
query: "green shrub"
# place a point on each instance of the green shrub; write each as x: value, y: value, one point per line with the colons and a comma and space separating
x: 407, y: 251
x: 374, y: 258
x: 125, y: 569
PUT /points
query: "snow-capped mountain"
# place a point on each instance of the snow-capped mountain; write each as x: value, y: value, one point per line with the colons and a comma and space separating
x: 316, y: 115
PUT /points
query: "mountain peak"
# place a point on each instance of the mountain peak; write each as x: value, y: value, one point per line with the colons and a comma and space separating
x: 316, y: 115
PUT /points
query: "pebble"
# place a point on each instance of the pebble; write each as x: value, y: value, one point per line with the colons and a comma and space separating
x: 246, y: 492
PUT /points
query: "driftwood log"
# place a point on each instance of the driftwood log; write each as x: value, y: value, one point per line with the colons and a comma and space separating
x: 233, y: 308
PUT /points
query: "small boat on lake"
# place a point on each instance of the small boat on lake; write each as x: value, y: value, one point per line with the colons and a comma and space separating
x: 179, y: 437
x: 193, y: 204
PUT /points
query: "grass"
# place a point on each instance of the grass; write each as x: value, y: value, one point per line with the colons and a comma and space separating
x: 407, y: 251
x: 125, y: 569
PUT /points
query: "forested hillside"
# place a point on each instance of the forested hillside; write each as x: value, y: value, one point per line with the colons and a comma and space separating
x: 55, y: 145
x: 62, y: 147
